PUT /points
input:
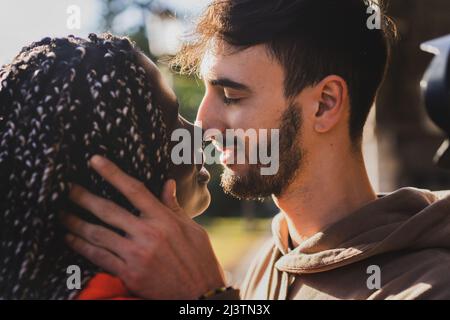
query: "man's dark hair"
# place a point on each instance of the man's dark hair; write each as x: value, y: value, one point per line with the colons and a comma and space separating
x: 310, y: 38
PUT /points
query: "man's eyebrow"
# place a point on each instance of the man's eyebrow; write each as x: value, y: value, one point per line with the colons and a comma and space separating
x: 227, y: 83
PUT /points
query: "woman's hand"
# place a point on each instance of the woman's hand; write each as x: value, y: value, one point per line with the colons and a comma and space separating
x: 165, y: 255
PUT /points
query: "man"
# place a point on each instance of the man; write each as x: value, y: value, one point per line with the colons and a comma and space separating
x: 312, y: 69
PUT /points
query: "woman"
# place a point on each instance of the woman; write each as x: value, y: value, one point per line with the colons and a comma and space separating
x: 61, y: 102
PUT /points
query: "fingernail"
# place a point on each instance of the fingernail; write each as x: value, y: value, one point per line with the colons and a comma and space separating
x: 97, y: 160
x: 174, y: 186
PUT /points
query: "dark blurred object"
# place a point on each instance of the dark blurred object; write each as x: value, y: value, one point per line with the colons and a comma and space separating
x: 436, y: 92
x: 407, y: 137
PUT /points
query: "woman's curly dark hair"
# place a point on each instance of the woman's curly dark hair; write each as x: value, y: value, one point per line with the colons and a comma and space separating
x: 62, y: 101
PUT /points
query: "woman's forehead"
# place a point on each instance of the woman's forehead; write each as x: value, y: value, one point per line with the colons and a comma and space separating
x: 160, y: 89
x: 157, y: 80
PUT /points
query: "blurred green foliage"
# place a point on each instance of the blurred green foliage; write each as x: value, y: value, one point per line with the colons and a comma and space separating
x: 189, y: 91
x: 233, y: 239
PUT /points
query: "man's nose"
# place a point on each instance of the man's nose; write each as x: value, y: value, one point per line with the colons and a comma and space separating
x: 209, y: 115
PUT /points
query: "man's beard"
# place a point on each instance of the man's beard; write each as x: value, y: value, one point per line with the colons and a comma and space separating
x: 253, y: 185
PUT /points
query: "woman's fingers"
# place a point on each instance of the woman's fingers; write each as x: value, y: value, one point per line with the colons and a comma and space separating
x: 97, y: 235
x: 134, y: 190
x: 105, y: 210
x: 98, y: 256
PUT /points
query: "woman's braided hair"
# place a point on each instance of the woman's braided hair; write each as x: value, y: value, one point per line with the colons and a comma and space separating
x: 62, y: 101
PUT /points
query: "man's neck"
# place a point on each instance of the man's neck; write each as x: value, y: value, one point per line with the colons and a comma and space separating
x: 327, y: 191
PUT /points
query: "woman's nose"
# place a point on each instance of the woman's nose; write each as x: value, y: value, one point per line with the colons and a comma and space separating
x: 196, y: 135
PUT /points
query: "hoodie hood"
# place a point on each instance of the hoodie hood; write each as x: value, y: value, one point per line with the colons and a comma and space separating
x: 408, y: 218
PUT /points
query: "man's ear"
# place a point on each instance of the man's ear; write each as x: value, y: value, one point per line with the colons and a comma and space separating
x: 332, y: 94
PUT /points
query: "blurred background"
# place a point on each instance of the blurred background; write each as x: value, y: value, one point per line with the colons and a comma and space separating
x: 399, y: 143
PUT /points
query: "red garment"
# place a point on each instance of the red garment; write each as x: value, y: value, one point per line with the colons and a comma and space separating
x: 105, y: 287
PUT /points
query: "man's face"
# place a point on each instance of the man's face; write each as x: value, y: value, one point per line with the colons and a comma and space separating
x: 245, y: 90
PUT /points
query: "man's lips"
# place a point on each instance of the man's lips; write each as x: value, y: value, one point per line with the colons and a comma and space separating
x: 227, y: 156
x: 221, y: 148
x: 227, y: 153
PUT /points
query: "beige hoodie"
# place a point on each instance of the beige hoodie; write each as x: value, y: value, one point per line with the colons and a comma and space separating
x: 402, y: 239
